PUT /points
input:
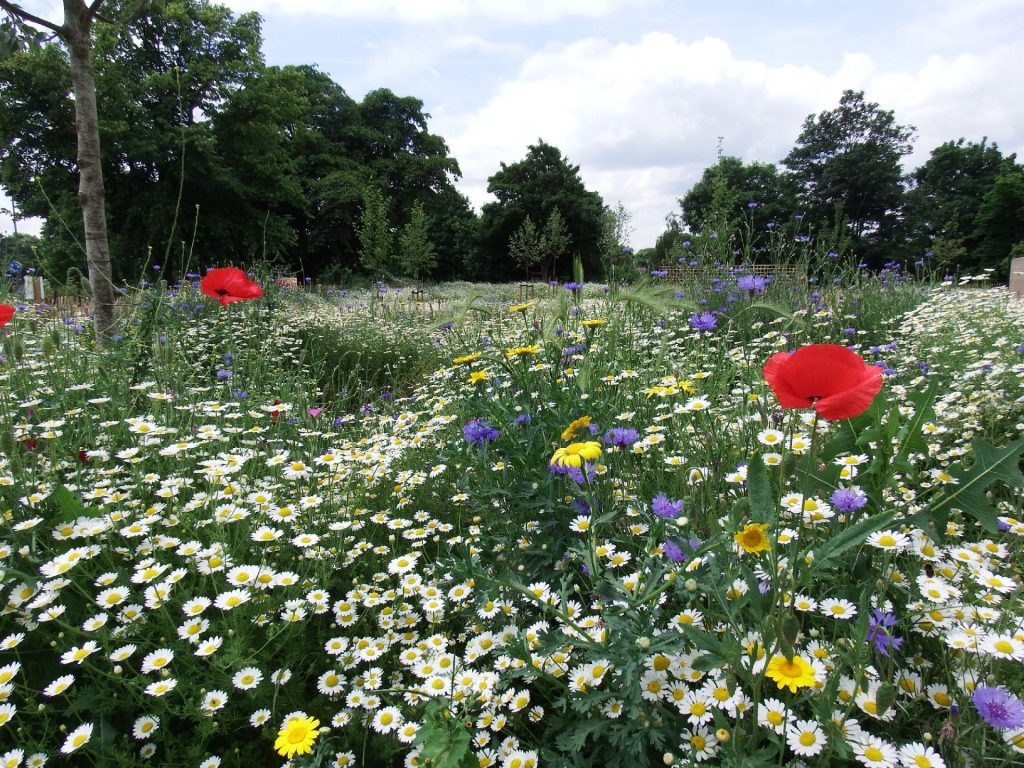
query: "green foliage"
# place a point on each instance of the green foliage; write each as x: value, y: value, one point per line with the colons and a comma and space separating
x: 849, y: 157
x: 415, y: 251
x: 375, y: 234
x: 721, y: 200
x: 999, y: 225
x: 969, y: 485
x: 617, y: 258
x: 524, y: 245
x: 537, y: 186
x: 944, y: 199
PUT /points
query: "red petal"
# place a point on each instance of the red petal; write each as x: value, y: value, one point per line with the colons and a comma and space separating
x: 774, y: 374
x: 853, y: 401
x: 821, y: 370
x: 6, y: 313
x: 228, y: 284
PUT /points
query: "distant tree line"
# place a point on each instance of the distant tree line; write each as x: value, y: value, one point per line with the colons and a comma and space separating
x: 843, y: 183
x: 212, y: 157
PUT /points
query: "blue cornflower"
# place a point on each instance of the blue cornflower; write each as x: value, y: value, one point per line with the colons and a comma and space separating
x: 998, y: 707
x: 879, y: 624
x: 849, y: 499
x: 752, y: 283
x: 623, y: 437
x: 672, y: 551
x: 479, y: 432
x: 705, y: 321
x: 667, y: 508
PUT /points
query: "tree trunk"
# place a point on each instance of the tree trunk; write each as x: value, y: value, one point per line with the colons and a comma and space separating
x: 77, y: 28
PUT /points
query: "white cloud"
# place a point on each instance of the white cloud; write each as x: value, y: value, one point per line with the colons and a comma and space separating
x: 643, y: 119
x: 420, y: 11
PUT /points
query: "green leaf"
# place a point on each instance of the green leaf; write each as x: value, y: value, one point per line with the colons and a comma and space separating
x: 911, y: 434
x: 991, y: 464
x: 443, y: 739
x: 759, y: 490
x: 70, y: 507
x: 574, y: 739
x: 850, y: 537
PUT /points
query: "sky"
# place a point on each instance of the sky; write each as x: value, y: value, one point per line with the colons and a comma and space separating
x: 640, y: 94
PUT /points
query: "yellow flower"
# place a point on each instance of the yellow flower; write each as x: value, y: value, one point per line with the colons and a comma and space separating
x: 466, y: 358
x: 794, y: 673
x: 753, y: 539
x: 574, y: 454
x: 521, y: 307
x: 533, y: 349
x: 581, y: 423
x: 475, y: 377
x: 593, y: 323
x: 297, y: 737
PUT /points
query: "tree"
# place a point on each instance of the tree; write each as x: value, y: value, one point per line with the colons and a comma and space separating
x: 999, y: 225
x: 524, y: 246
x: 947, y: 193
x: 534, y: 187
x: 669, y: 244
x: 731, y: 195
x: 847, y: 160
x: 158, y: 91
x: 415, y: 251
x: 616, y: 255
x: 554, y: 242
x: 375, y: 234
x: 76, y: 35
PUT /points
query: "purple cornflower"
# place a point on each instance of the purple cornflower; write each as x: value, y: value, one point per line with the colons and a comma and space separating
x: 573, y: 286
x: 672, y: 551
x: 667, y: 508
x: 879, y: 624
x: 998, y: 707
x: 752, y: 283
x: 659, y: 273
x: 479, y: 432
x: 523, y: 418
x: 676, y: 553
x: 705, y: 321
x: 223, y: 373
x: 849, y: 499
x: 623, y: 437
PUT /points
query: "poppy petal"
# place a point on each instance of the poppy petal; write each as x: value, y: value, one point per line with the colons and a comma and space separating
x: 774, y: 374
x: 6, y: 313
x: 820, y: 370
x: 853, y: 401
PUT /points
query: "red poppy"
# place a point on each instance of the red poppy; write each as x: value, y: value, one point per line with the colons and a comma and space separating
x: 833, y: 380
x: 6, y: 313
x: 228, y: 284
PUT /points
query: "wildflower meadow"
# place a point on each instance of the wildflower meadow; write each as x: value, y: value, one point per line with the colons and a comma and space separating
x: 728, y: 520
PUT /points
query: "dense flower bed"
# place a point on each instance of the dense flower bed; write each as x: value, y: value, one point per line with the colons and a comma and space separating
x: 592, y: 536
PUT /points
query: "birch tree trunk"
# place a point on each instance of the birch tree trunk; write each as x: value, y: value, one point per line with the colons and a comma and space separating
x: 77, y: 36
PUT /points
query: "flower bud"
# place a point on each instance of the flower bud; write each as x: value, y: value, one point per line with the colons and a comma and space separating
x: 668, y: 758
x: 691, y: 585
x: 644, y: 642
x: 723, y: 735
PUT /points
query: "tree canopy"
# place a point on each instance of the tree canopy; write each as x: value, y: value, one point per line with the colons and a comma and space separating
x: 847, y: 162
x: 535, y: 187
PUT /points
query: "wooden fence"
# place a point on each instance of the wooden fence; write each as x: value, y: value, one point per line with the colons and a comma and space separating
x: 684, y: 272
